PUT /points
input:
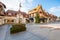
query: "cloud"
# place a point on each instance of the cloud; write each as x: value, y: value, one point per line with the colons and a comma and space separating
x: 30, y: 1
x: 14, y: 4
x: 54, y: 9
x: 26, y: 5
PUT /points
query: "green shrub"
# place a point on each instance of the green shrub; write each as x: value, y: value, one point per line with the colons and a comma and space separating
x: 17, y: 28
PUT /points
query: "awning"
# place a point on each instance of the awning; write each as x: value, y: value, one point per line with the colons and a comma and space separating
x: 31, y: 19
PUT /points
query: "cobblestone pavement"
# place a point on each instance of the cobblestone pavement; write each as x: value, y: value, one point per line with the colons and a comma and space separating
x: 33, y: 32
x: 3, y: 30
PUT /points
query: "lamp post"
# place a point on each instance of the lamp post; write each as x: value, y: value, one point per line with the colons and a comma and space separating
x: 19, y: 12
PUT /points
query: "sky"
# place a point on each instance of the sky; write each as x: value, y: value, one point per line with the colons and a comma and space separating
x: 51, y: 6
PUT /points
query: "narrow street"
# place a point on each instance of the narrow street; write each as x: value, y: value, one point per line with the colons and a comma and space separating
x: 3, y: 30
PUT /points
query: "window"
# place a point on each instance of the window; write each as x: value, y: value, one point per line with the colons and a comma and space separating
x: 12, y: 20
x: 9, y: 13
x: 0, y: 6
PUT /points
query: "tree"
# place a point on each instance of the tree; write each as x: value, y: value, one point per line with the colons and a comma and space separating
x: 37, y: 18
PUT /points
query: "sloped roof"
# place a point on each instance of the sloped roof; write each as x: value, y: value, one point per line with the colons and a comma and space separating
x: 40, y: 10
x: 3, y: 4
x: 11, y: 12
x: 14, y: 13
x: 23, y: 13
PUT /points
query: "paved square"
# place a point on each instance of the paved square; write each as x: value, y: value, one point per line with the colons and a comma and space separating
x: 33, y: 32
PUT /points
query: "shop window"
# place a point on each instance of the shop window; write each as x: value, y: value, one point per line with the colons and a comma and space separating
x: 12, y: 20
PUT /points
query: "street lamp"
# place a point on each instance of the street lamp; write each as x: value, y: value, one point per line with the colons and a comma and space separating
x: 19, y: 12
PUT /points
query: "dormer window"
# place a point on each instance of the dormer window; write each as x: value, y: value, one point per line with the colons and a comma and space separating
x: 9, y: 13
x: 34, y: 9
x: 0, y: 6
x: 40, y: 12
